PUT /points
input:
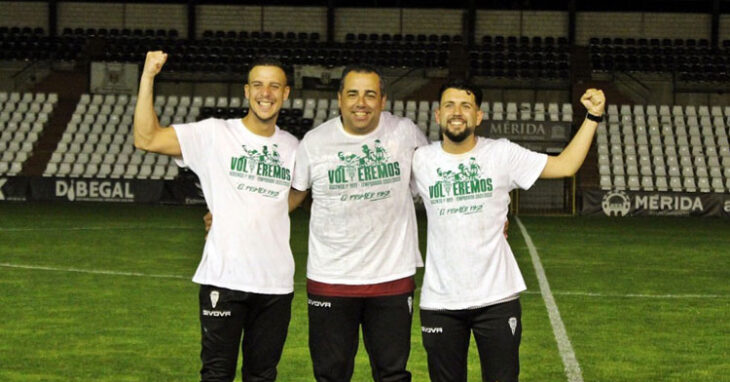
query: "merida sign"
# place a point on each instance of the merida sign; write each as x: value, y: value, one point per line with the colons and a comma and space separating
x: 528, y: 130
x: 642, y: 203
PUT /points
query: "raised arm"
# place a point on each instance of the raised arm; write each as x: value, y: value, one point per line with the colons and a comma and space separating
x: 572, y: 157
x: 296, y: 198
x: 148, y: 134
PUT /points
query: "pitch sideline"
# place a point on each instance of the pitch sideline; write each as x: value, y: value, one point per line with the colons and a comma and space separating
x: 570, y: 362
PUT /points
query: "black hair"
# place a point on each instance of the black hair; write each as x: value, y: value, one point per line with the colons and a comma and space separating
x: 362, y: 68
x: 469, y: 87
x: 268, y: 61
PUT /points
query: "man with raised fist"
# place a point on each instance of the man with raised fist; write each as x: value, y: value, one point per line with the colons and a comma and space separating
x: 245, y: 170
x: 472, y: 282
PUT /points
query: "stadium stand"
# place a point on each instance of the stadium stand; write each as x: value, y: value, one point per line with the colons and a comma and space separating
x: 33, y: 44
x: 682, y: 149
x: 539, y: 57
x: 690, y: 59
x: 98, y: 141
x: 23, y: 116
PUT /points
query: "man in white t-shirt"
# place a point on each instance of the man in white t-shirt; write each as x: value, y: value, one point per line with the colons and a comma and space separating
x: 245, y: 170
x: 472, y: 281
x: 363, y: 244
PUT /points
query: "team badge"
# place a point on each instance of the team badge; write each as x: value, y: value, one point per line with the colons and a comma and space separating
x: 214, y: 298
x: 513, y: 324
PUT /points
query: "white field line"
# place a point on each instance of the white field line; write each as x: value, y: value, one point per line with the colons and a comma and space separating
x: 634, y: 295
x: 101, y: 228
x: 559, y: 293
x: 92, y: 271
x: 570, y: 362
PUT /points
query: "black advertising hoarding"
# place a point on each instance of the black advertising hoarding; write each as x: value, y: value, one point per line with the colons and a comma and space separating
x: 186, y: 191
x: 96, y: 190
x: 644, y: 203
x: 13, y: 188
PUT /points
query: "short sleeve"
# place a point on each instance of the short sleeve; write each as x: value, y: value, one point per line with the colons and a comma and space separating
x: 418, y: 136
x: 525, y: 165
x: 195, y: 141
x: 301, y: 179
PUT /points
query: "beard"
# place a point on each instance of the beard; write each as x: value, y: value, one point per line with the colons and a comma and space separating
x: 458, y: 137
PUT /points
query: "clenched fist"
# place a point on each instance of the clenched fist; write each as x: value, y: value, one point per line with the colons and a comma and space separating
x: 594, y: 101
x: 154, y: 62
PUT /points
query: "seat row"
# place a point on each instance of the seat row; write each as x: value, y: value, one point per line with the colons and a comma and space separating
x: 23, y: 117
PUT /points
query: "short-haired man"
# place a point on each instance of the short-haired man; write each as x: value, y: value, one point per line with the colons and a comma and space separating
x: 472, y: 281
x: 363, y: 244
x: 246, y: 274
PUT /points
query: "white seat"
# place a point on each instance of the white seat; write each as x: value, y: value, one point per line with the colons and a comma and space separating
x: 63, y: 169
x: 158, y: 172
x: 50, y: 170
x: 90, y: 170
x: 117, y: 171
x: 633, y: 183
x: 661, y: 183
x: 605, y: 182
x: 171, y: 172
x: 619, y: 182
x: 310, y: 104
x: 149, y: 159
x: 567, y: 109
x: 703, y: 184
x: 411, y: 105
x: 398, y: 106
x: 717, y: 185
x: 77, y: 170
x: 144, y: 171
x: 647, y: 183
x: 15, y: 169
x: 424, y: 106
x: 675, y: 183
x: 104, y: 171
x: 498, y: 107
x: 677, y: 111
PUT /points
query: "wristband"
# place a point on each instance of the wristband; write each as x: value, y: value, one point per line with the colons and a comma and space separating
x: 594, y: 118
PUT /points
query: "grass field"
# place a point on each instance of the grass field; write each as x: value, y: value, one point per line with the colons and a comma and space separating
x: 98, y: 292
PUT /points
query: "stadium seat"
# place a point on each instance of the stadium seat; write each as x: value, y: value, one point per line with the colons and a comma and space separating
x: 605, y: 182
x: 619, y: 182
x: 703, y: 184
x: 633, y: 183
x: 647, y: 183
x: 675, y: 183
x: 52, y: 168
x: 717, y: 185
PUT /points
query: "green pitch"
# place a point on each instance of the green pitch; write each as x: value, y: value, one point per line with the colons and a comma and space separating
x: 96, y: 292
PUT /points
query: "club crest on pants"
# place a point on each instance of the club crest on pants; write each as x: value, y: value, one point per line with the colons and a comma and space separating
x: 214, y: 299
x: 513, y: 324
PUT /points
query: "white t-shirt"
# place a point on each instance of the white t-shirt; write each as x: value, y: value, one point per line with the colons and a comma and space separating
x: 363, y: 224
x: 245, y: 180
x: 469, y: 262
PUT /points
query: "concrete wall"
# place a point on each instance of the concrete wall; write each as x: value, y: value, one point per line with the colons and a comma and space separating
x: 24, y: 14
